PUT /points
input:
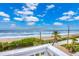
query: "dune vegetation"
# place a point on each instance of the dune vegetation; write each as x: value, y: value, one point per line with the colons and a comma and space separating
x: 26, y: 42
x: 73, y: 46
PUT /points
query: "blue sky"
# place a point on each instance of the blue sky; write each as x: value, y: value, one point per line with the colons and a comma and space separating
x: 41, y: 15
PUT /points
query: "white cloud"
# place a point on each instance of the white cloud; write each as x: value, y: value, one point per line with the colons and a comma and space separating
x: 25, y: 12
x: 32, y: 6
x: 20, y: 12
x: 6, y: 19
x: 18, y: 19
x: 4, y: 14
x: 31, y: 19
x: 30, y: 23
x: 41, y: 15
x: 76, y: 18
x: 58, y: 23
x: 69, y: 16
x: 69, y: 13
x: 71, y: 19
x: 28, y: 19
x: 65, y: 18
x: 50, y: 6
x: 25, y: 8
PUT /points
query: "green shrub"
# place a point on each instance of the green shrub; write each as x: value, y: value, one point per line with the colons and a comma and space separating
x: 13, y: 45
x: 67, y: 46
x: 48, y: 41
x: 65, y: 38
x: 71, y: 48
x: 1, y: 47
x: 77, y: 48
x: 22, y: 43
x: 5, y: 45
x: 27, y: 42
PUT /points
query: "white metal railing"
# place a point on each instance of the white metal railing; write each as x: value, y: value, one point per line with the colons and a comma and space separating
x: 45, y: 50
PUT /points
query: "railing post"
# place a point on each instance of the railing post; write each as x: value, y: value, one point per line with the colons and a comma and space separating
x: 39, y: 54
x: 45, y: 53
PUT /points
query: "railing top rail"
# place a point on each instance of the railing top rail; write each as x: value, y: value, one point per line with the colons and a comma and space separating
x: 37, y: 49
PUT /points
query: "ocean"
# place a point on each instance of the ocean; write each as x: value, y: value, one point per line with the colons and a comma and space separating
x: 25, y: 33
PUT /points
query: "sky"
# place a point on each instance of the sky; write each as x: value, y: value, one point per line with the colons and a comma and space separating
x: 39, y: 15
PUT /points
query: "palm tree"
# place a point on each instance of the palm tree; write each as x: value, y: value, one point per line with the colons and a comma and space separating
x: 56, y: 36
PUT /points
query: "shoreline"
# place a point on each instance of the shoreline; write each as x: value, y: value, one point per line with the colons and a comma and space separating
x: 14, y: 38
x: 36, y: 35
x: 44, y: 37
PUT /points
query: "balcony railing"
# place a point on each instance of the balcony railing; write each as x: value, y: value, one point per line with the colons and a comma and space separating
x: 42, y: 50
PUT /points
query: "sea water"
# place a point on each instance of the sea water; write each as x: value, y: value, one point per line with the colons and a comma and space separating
x: 25, y: 33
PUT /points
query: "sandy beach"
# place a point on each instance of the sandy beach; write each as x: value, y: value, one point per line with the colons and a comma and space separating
x: 8, y: 39
x: 44, y: 37
x: 14, y: 39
